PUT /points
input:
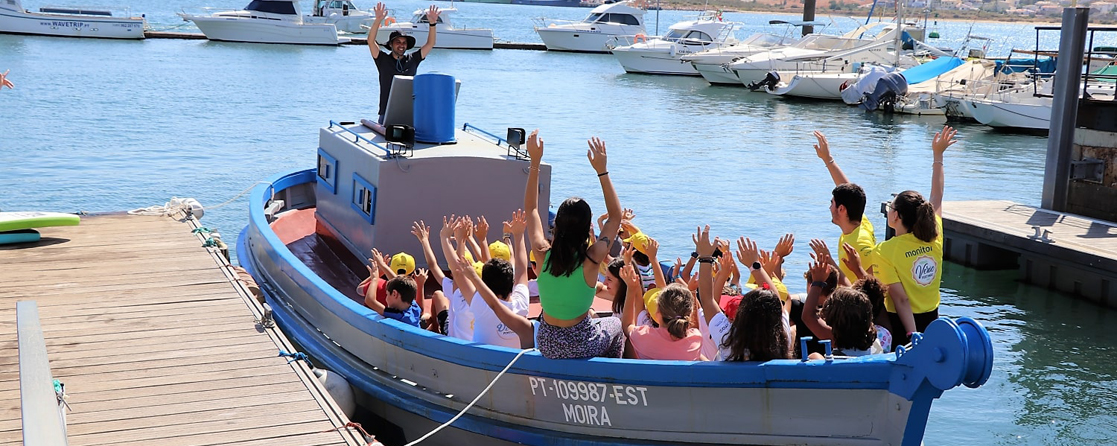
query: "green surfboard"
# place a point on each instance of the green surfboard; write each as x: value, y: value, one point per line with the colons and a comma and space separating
x: 14, y: 221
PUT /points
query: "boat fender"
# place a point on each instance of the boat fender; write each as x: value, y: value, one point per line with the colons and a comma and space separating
x: 339, y: 389
x: 639, y: 38
x: 390, y: 21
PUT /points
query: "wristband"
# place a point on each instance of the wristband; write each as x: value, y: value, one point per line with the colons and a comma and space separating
x: 694, y: 254
x: 706, y: 259
x: 819, y: 283
x: 603, y: 174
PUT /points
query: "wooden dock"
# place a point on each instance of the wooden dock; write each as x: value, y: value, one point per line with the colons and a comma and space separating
x: 1061, y: 251
x: 155, y: 342
x: 354, y: 40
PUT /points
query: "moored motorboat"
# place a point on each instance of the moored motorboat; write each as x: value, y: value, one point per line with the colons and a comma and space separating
x: 69, y: 22
x: 309, y: 229
x: 712, y: 64
x: 343, y: 14
x: 449, y: 36
x: 663, y: 54
x: 265, y: 21
x: 592, y: 33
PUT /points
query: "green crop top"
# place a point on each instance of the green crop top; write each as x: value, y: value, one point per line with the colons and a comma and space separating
x: 565, y: 297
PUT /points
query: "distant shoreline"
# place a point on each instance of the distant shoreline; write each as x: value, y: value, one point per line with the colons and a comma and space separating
x: 797, y: 12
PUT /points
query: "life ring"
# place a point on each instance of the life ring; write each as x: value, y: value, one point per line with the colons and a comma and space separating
x: 639, y: 38
x: 390, y: 21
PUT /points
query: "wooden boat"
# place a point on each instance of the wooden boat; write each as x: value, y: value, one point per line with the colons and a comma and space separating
x: 309, y: 231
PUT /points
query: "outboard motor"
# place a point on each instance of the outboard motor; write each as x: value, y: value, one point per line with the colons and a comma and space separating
x: 770, y: 81
x: 884, y: 95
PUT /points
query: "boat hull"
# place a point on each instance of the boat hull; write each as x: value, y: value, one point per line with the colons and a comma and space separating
x: 21, y: 22
x: 578, y: 40
x: 580, y: 402
x: 652, y: 61
x: 229, y: 29
x: 717, y: 74
x: 1011, y: 116
x: 815, y: 85
x: 464, y: 39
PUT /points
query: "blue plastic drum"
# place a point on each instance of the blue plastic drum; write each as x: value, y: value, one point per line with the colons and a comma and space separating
x: 434, y: 108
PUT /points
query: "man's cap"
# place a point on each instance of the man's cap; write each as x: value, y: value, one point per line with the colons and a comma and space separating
x: 394, y: 35
x: 639, y: 241
x: 403, y: 263
x: 498, y: 250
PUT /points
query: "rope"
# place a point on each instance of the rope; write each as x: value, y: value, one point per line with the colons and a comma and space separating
x: 369, y: 438
x: 471, y: 403
x: 238, y: 195
x: 296, y: 356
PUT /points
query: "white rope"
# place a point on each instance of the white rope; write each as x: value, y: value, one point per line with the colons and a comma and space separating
x: 471, y: 403
x: 238, y: 195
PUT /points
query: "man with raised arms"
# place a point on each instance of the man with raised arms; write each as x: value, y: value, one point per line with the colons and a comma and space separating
x: 397, y: 61
x: 847, y: 210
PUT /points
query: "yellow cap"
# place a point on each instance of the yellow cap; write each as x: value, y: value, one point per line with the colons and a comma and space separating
x: 651, y: 303
x: 498, y: 250
x: 639, y: 241
x: 478, y: 266
x: 531, y: 256
x: 403, y: 263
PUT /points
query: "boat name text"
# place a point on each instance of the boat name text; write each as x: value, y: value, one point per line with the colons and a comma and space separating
x: 575, y: 394
x: 66, y: 24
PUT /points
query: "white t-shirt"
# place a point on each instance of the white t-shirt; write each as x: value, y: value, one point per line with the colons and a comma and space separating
x: 532, y: 288
x: 709, y: 348
x: 719, y: 332
x: 488, y: 329
x: 459, y: 317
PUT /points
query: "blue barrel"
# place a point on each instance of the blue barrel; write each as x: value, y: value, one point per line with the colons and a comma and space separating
x: 434, y: 108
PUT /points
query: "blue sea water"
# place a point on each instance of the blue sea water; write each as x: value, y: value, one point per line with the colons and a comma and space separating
x: 109, y: 125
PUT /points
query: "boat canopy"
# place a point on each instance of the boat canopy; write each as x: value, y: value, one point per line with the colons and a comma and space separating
x: 797, y: 23
x: 286, y: 7
x: 931, y: 70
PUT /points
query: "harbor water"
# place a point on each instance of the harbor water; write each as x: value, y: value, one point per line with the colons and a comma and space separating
x: 114, y: 125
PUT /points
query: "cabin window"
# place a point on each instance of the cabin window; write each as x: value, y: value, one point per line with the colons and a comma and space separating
x: 272, y: 7
x: 596, y: 17
x: 364, y: 199
x: 699, y: 35
x: 423, y: 19
x: 327, y: 171
x: 624, y: 19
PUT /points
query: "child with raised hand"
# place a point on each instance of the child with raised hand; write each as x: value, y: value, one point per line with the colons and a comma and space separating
x: 676, y: 338
x: 760, y: 330
x: 910, y: 264
x: 401, y: 304
x: 459, y: 318
x: 846, y: 317
x: 874, y: 290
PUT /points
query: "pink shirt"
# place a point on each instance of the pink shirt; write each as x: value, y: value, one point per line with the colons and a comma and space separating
x: 657, y: 343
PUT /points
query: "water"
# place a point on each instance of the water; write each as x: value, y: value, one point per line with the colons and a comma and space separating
x: 110, y: 126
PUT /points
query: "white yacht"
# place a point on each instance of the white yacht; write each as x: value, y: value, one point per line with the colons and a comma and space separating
x: 713, y: 64
x: 828, y: 77
x: 265, y: 21
x: 592, y: 33
x: 815, y: 51
x: 343, y: 14
x: 69, y: 22
x: 449, y: 36
x: 663, y: 55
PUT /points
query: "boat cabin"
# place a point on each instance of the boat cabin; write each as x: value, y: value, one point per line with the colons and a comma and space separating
x: 323, y: 8
x: 282, y: 7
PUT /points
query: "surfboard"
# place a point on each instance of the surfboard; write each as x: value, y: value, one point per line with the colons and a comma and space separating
x: 14, y: 221
x: 20, y: 236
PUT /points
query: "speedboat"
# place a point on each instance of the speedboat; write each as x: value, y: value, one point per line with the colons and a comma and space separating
x: 448, y: 35
x: 713, y: 64
x: 69, y: 22
x: 663, y: 55
x: 591, y: 34
x: 343, y: 14
x: 827, y: 78
x: 817, y: 51
x: 265, y: 21
x: 309, y: 230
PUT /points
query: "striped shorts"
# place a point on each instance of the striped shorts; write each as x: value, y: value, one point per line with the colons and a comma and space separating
x: 590, y: 338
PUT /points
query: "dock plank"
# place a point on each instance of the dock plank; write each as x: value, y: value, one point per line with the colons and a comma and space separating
x: 155, y: 341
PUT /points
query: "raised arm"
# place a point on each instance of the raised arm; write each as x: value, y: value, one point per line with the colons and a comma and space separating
x: 599, y: 161
x: 657, y: 271
x: 819, y: 271
x: 632, y: 280
x: 535, y: 233
x: 462, y: 233
x: 432, y: 19
x: 370, y: 292
x: 822, y: 149
x: 705, y: 249
x: 519, y: 250
x: 853, y: 261
x: 725, y: 270
x: 519, y: 324
x: 4, y: 82
x: 422, y: 232
x: 382, y: 264
x: 381, y: 12
x: 942, y: 140
x: 749, y: 254
x: 481, y: 234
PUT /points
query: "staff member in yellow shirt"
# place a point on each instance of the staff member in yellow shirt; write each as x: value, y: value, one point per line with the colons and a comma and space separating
x: 847, y: 210
x: 910, y: 264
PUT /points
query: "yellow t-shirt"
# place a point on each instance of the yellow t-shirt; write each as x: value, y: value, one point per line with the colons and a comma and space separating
x: 913, y: 263
x: 862, y: 239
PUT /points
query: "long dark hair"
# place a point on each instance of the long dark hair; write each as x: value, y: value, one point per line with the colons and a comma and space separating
x: 757, y: 332
x: 874, y: 290
x: 917, y: 215
x: 572, y: 227
x: 848, y: 312
x: 675, y: 304
x: 614, y: 269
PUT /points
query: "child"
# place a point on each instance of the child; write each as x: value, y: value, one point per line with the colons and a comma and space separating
x: 401, y: 304
x: 846, y: 317
x: 676, y: 338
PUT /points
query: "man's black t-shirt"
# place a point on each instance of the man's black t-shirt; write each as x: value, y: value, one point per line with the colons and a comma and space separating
x: 389, y: 67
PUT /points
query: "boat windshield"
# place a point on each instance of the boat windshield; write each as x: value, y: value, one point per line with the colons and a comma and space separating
x: 272, y: 7
x: 623, y: 19
x: 422, y: 18
x: 763, y: 39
